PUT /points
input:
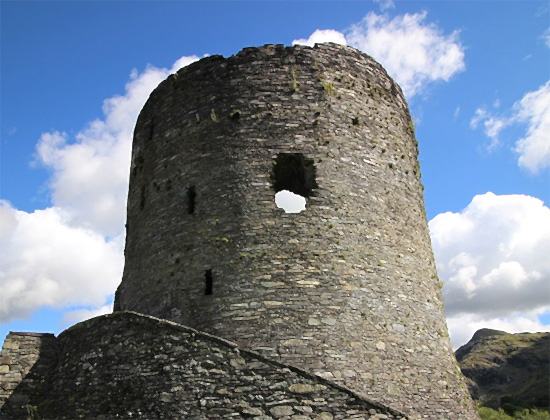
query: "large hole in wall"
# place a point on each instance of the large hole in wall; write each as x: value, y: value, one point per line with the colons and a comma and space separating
x: 293, y: 181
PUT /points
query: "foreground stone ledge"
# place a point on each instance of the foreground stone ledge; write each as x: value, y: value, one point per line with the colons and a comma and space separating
x: 129, y: 365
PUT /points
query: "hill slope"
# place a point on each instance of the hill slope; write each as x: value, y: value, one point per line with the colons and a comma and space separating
x: 507, y: 370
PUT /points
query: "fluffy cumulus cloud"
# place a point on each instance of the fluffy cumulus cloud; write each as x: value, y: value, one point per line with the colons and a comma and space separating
x: 71, y: 254
x: 533, y: 112
x: 492, y: 257
x: 322, y: 35
x: 414, y: 51
x: 44, y: 261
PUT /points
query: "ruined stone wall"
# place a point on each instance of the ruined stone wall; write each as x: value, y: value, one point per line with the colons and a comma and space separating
x: 346, y: 289
x: 26, y: 362
x: 128, y: 365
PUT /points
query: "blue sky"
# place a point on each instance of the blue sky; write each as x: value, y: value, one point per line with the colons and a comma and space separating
x: 481, y: 116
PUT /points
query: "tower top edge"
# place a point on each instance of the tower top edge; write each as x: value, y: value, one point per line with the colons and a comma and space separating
x: 271, y: 50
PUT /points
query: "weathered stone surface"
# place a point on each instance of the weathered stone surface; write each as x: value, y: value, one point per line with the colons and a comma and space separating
x: 27, y: 363
x: 354, y: 270
x: 301, y: 388
x: 144, y: 367
x: 281, y: 411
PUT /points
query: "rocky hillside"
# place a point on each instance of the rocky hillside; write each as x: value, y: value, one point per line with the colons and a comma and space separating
x: 505, y: 370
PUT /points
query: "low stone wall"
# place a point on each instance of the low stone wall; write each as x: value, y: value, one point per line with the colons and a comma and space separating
x: 128, y: 365
x: 26, y: 362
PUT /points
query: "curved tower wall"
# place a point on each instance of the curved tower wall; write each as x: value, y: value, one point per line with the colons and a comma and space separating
x: 346, y: 289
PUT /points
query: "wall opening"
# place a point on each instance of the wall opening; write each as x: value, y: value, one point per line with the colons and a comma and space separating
x: 293, y: 181
x: 290, y: 202
x: 208, y: 282
x: 191, y: 195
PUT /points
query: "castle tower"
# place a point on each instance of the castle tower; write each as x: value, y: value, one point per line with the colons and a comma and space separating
x: 346, y: 289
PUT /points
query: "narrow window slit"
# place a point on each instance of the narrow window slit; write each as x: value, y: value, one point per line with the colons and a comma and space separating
x: 142, y: 198
x: 191, y: 195
x: 151, y: 129
x: 208, y: 282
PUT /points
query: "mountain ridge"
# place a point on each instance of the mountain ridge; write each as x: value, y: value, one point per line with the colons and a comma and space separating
x: 509, y: 371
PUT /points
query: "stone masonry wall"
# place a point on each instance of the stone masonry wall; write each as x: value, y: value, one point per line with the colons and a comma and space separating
x: 26, y: 362
x: 128, y: 365
x: 346, y: 289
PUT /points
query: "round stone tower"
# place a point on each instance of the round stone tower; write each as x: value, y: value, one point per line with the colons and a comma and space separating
x: 347, y: 288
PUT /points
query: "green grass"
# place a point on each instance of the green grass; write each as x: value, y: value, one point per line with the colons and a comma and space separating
x: 487, y: 413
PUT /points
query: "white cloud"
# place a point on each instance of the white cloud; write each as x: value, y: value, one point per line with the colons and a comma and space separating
x: 385, y: 4
x: 493, y: 259
x: 534, y: 147
x: 492, y: 125
x: 546, y: 37
x: 412, y: 50
x: 320, y: 36
x: 72, y: 253
x: 480, y: 114
x: 45, y: 262
x: 533, y: 110
x: 456, y: 113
